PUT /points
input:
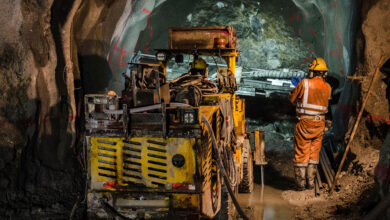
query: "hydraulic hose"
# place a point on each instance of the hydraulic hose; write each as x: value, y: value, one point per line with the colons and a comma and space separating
x: 327, y: 174
x: 222, y: 168
x: 318, y: 178
x: 316, y: 189
x: 327, y: 161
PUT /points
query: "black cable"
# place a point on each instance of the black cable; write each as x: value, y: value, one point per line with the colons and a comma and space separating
x: 222, y: 169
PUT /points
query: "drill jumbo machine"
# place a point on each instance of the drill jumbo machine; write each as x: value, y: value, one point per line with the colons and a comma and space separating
x: 159, y: 150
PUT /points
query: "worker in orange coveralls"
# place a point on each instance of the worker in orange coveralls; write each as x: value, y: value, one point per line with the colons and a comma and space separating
x: 310, y: 96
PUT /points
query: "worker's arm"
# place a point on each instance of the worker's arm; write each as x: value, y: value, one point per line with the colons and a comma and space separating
x: 296, y: 93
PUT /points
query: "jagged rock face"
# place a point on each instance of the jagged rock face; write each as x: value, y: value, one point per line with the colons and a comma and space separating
x: 42, y: 42
x: 376, y: 31
x: 272, y: 35
x: 265, y: 38
x: 373, y: 41
x: 36, y: 112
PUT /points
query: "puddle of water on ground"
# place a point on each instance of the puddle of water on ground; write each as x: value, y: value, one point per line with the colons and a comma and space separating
x: 273, y: 207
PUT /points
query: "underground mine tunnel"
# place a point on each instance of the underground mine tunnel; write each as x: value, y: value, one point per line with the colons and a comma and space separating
x: 134, y: 109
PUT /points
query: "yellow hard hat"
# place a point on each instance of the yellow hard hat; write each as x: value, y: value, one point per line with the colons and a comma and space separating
x: 199, y: 64
x: 111, y: 93
x: 318, y: 64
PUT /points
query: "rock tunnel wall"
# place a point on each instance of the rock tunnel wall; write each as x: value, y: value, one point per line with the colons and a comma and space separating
x: 37, y: 109
x: 52, y: 52
x: 281, y: 34
x: 373, y: 38
x: 45, y: 47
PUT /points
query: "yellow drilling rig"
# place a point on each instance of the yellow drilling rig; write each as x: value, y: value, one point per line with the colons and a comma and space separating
x: 171, y: 148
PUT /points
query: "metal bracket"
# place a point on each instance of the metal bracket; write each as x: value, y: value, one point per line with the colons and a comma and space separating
x: 259, y: 155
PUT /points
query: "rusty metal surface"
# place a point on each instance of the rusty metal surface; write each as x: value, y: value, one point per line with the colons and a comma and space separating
x: 259, y: 154
x: 239, y: 115
x: 201, y: 37
x: 103, y: 116
x: 133, y: 205
x: 194, y: 85
x: 226, y: 81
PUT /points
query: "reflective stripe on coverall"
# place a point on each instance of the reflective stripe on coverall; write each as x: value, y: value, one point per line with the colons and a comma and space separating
x: 311, y: 97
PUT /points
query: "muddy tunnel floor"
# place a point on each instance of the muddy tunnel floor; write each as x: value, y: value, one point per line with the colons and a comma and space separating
x: 355, y: 198
x: 281, y: 201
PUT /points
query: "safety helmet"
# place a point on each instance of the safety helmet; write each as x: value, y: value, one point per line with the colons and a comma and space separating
x: 318, y: 64
x: 111, y: 93
x: 199, y: 64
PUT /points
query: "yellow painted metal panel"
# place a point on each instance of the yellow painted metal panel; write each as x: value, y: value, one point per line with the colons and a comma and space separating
x: 208, y: 111
x: 105, y: 152
x: 141, y: 160
x: 215, y: 97
x: 239, y: 115
x: 237, y: 154
x: 232, y: 63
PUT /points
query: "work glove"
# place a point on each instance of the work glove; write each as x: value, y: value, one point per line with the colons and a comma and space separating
x: 295, y: 80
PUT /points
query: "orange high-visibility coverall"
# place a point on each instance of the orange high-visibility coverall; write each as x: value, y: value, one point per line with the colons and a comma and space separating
x: 311, y: 98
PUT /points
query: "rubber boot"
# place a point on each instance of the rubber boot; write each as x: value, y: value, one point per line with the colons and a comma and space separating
x: 300, y: 177
x: 310, y: 175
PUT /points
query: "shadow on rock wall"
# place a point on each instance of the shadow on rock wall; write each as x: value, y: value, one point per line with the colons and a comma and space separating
x: 96, y: 74
x: 40, y: 172
x: 40, y: 177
